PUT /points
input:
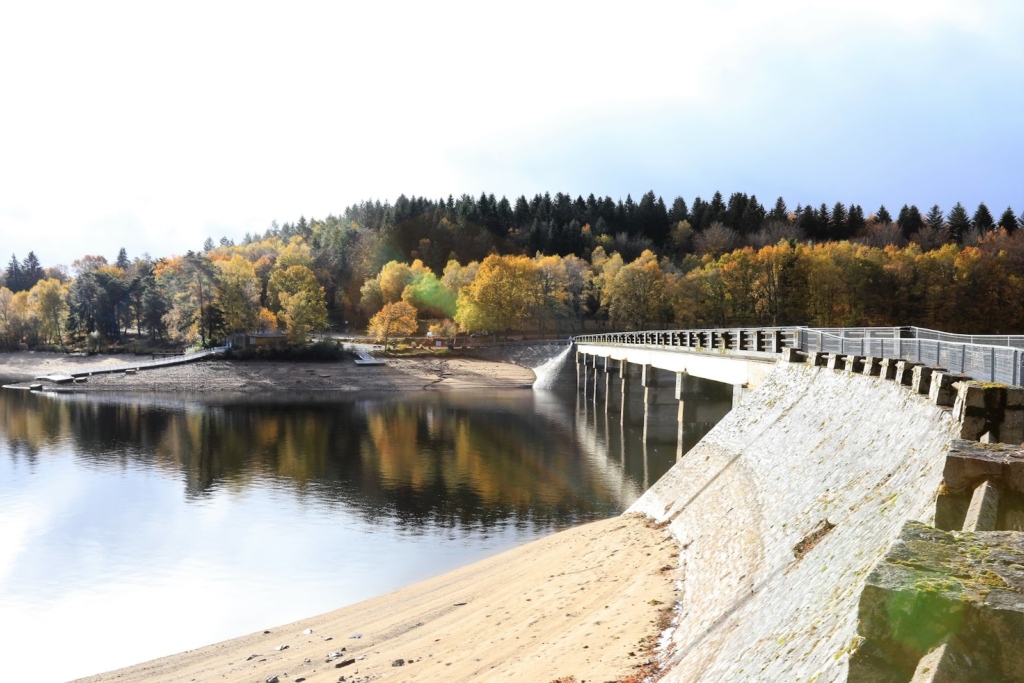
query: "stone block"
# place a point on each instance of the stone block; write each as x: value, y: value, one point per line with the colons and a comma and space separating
x: 951, y: 510
x: 921, y: 379
x: 1015, y: 398
x: 905, y: 371
x: 969, y: 463
x: 942, y: 391
x: 1011, y: 429
x: 888, y: 368
x: 836, y: 361
x: 934, y: 587
x: 872, y: 367
x: 855, y: 364
x: 819, y: 359
x: 984, y: 509
x: 793, y: 355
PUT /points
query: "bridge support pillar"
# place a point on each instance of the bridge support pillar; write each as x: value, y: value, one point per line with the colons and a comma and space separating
x: 660, y: 425
x: 611, y: 375
x: 739, y: 392
x: 627, y: 377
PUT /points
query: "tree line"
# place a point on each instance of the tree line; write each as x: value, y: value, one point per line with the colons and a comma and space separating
x: 549, y: 265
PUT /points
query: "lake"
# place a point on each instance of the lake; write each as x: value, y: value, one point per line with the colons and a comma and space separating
x: 137, y: 526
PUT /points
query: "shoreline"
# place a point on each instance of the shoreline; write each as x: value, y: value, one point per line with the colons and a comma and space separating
x: 555, y: 609
x: 249, y: 376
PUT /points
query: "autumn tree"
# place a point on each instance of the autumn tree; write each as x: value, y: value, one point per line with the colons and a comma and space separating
x: 239, y: 294
x: 48, y: 298
x: 501, y: 296
x: 636, y: 294
x: 394, y: 319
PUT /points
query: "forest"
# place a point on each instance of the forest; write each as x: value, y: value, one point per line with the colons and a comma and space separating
x: 547, y: 266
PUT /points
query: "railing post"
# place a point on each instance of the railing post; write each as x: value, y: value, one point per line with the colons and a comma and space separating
x: 992, y: 354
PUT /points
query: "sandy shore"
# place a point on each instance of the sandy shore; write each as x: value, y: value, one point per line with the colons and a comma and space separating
x: 586, y: 604
x: 400, y: 374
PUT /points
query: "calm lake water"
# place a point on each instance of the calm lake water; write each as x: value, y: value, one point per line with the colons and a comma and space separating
x: 136, y: 526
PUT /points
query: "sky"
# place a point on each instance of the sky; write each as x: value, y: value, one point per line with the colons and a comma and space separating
x: 151, y: 126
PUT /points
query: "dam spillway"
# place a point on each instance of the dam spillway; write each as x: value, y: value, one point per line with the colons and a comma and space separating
x: 782, y: 510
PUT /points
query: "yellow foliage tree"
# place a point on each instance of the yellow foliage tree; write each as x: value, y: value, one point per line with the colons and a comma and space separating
x: 502, y: 296
x: 239, y: 294
x: 395, y: 318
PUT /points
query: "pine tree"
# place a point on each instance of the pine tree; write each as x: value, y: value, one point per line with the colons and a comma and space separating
x: 855, y: 221
x: 935, y: 218
x: 909, y: 220
x: 838, y: 223
x: 883, y: 215
x: 959, y: 222
x: 1008, y: 221
x: 31, y: 271
x: 982, y: 220
x: 122, y: 259
x: 13, y: 278
x: 679, y: 211
x: 779, y: 212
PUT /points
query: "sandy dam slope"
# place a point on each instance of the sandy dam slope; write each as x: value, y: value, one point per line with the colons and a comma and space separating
x: 780, y: 513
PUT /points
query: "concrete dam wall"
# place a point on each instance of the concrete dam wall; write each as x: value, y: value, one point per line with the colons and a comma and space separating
x: 781, y: 512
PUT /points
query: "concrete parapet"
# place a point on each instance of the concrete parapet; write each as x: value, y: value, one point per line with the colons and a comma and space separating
x: 905, y: 371
x: 921, y: 378
x: 836, y: 361
x: 793, y: 355
x: 942, y: 391
x: 983, y: 512
x: 993, y: 409
x: 888, y: 367
x: 959, y: 589
x: 968, y: 466
x: 872, y: 367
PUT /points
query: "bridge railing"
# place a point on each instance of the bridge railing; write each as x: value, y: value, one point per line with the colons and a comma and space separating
x: 991, y: 358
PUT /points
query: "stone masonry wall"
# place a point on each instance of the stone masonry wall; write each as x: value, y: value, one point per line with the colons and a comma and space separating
x: 780, y: 513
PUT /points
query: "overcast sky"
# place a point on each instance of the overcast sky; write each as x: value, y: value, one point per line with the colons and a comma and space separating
x: 152, y: 126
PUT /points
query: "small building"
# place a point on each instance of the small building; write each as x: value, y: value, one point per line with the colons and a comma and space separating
x: 247, y: 340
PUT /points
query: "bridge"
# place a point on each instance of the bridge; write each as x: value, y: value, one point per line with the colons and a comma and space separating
x: 814, y: 521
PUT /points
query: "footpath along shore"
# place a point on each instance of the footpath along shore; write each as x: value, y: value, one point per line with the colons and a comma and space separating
x: 585, y: 604
x: 399, y: 374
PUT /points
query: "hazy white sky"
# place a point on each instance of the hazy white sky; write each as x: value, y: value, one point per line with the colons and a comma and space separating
x: 153, y: 126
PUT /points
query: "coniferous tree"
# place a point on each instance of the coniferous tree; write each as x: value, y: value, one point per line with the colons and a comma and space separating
x: 753, y: 216
x: 959, y: 222
x: 909, y: 220
x: 855, y: 221
x: 838, y: 222
x: 122, y: 259
x: 31, y: 271
x: 1008, y: 221
x: 13, y: 278
x: 935, y: 218
x: 982, y: 220
x: 779, y: 212
x: 883, y: 215
x: 679, y: 211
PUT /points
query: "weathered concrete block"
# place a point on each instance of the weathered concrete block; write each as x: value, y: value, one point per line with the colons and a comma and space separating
x: 888, y: 368
x: 942, y: 391
x: 984, y: 509
x: 969, y: 463
x: 819, y: 359
x: 872, y: 367
x: 921, y: 381
x: 905, y: 371
x: 966, y: 589
x: 855, y: 364
x: 1011, y: 429
x: 836, y: 361
x: 1015, y: 398
x: 793, y: 355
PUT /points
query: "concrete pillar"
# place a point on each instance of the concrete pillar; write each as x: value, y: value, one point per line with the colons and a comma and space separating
x: 942, y: 391
x: 684, y: 415
x: 888, y: 367
x: 984, y: 509
x: 872, y: 367
x: 739, y: 391
x: 659, y: 408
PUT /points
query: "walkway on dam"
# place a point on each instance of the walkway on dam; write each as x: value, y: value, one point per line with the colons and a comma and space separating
x: 987, y: 358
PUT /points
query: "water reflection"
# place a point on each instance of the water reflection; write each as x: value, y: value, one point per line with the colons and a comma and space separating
x: 122, y: 517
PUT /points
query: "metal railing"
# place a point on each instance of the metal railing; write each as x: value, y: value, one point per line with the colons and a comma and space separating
x: 990, y: 358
